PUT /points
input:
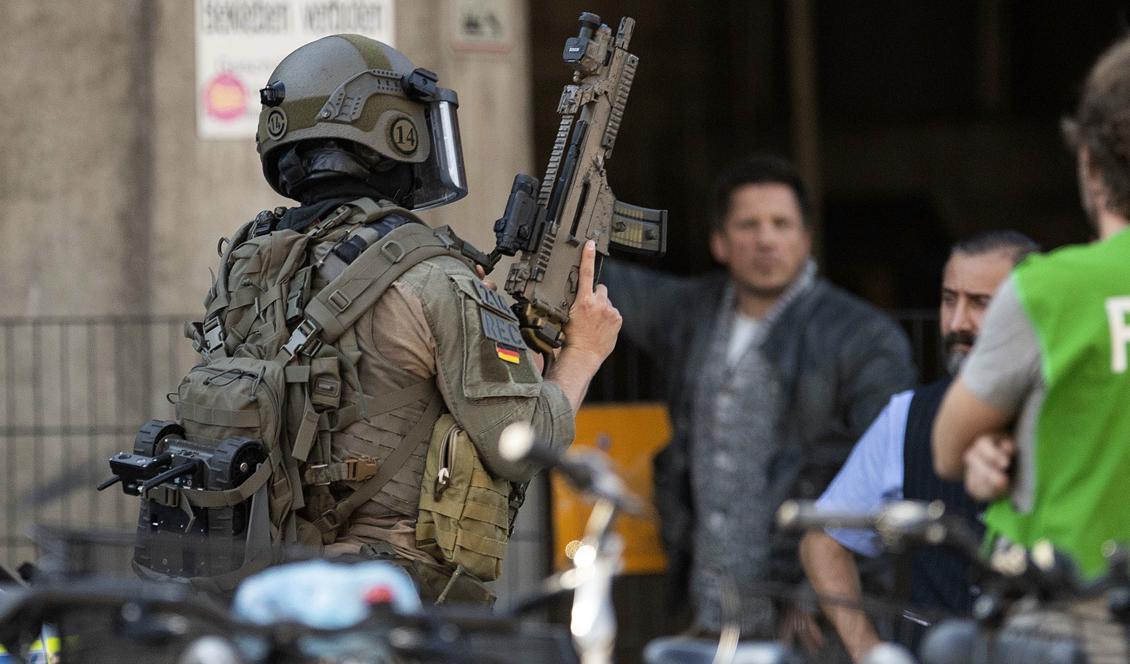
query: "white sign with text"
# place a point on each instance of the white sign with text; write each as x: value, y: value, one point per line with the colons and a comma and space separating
x: 239, y: 42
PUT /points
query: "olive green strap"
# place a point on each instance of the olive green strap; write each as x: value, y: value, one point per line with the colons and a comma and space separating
x: 229, y: 497
x: 350, y: 470
x: 307, y: 431
x: 297, y: 374
x: 248, y: 296
x: 345, y: 299
x: 337, y: 306
x: 331, y: 519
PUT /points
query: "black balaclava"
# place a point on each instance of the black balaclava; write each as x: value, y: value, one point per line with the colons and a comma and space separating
x: 322, y: 175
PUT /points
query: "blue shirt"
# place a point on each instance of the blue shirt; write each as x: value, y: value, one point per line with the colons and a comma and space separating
x: 872, y: 475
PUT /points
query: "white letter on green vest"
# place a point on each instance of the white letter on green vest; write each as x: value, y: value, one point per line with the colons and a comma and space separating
x: 1117, y: 309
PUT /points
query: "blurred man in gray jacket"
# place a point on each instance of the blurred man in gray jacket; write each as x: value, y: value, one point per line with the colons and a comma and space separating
x: 771, y: 374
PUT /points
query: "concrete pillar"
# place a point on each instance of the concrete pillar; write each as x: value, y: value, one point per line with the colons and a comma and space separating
x: 76, y: 100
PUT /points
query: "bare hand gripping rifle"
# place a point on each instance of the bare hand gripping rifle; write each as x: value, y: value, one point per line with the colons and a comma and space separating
x: 550, y: 223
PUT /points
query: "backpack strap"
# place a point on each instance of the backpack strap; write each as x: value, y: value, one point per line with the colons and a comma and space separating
x: 338, y: 306
x: 356, y: 242
x: 230, y: 497
x: 345, y: 299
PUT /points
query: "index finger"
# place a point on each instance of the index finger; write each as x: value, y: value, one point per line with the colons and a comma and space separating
x: 587, y: 268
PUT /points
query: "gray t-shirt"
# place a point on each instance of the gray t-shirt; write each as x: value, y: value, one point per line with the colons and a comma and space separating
x: 1004, y: 371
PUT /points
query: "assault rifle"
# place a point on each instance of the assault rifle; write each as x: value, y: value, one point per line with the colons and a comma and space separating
x: 550, y: 223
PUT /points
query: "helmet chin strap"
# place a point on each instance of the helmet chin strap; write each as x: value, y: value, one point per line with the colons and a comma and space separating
x: 307, y: 173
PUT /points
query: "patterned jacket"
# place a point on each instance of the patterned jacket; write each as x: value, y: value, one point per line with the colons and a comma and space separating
x: 837, y: 359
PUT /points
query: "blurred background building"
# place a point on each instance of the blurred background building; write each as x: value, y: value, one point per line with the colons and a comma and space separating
x: 916, y: 123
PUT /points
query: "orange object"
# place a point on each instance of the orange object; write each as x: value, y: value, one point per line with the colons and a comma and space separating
x: 630, y: 434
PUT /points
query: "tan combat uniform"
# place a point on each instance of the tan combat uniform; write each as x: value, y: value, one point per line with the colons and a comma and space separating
x: 430, y: 324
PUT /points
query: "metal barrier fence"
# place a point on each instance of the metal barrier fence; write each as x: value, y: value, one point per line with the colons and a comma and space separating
x: 75, y: 390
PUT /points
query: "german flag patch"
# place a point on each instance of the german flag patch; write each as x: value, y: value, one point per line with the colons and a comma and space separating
x: 508, y: 354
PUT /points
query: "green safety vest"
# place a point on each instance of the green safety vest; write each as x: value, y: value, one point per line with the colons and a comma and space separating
x: 1078, y: 300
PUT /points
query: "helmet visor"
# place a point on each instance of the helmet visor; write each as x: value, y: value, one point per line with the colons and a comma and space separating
x: 441, y: 179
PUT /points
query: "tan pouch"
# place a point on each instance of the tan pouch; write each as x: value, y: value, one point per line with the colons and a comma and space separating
x: 463, y: 517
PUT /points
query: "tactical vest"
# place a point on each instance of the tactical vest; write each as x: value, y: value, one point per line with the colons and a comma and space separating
x: 1078, y: 300
x: 939, y: 576
x: 276, y: 381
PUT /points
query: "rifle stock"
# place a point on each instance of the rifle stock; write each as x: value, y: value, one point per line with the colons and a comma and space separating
x: 574, y: 202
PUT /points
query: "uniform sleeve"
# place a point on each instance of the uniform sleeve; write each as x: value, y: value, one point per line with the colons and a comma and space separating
x: 486, y: 373
x: 1004, y: 365
x: 872, y: 475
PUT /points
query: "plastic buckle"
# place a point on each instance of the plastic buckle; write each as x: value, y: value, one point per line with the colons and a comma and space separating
x: 359, y: 469
x: 304, y: 339
x: 444, y: 235
x: 213, y: 334
x: 339, y: 300
x: 294, y: 296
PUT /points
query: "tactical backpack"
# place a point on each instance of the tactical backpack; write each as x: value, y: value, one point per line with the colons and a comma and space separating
x: 246, y: 468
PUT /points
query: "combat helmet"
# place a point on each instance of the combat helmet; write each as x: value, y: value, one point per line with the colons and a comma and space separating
x: 355, y: 91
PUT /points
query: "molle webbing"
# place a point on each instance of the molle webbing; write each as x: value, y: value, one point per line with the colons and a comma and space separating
x: 335, y: 309
x: 334, y: 517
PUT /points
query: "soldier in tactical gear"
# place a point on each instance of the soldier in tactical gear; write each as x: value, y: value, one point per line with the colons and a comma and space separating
x: 360, y: 137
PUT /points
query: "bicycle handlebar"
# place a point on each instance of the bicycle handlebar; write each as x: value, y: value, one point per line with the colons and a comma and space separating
x: 1043, y: 570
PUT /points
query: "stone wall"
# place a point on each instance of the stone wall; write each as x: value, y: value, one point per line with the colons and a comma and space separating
x: 109, y: 202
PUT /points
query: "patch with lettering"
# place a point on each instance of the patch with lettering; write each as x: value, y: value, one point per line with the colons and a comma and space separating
x: 493, y: 301
x: 502, y: 330
x: 499, y: 323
